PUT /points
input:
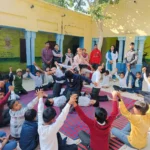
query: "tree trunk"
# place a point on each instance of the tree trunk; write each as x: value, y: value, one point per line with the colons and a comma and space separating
x: 101, y: 36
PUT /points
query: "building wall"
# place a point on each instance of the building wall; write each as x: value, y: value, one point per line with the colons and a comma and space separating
x: 10, y: 49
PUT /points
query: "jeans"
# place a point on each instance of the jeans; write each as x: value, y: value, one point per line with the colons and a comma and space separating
x: 123, y: 134
x: 57, y: 89
x: 11, y: 145
x: 118, y: 88
x: 19, y: 92
x: 133, y: 90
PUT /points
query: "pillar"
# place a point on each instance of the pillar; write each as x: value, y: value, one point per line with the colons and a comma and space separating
x: 140, y: 53
x: 59, y: 41
x: 136, y: 46
x: 33, y: 36
x: 81, y: 42
x: 28, y: 46
x: 120, y: 64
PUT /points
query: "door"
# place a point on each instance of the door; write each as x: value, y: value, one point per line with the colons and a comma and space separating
x: 22, y: 50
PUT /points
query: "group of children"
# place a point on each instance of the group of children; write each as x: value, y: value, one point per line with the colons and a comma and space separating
x: 25, y: 128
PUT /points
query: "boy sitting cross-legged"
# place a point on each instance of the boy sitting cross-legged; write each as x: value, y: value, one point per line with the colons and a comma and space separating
x: 17, y: 112
x: 99, y: 127
x: 48, y: 127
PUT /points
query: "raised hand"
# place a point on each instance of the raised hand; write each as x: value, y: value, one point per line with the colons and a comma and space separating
x: 144, y: 69
x: 40, y: 94
x: 11, y: 88
x: 115, y: 95
x: 73, y: 99
x: 27, y: 70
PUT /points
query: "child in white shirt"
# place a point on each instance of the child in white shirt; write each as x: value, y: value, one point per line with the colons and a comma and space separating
x: 122, y: 81
x: 106, y: 80
x: 48, y: 126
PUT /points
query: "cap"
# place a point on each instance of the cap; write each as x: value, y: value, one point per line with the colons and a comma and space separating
x: 18, y: 70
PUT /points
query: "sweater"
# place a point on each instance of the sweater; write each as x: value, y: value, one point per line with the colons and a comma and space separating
x: 99, y: 133
x: 139, y: 127
x: 17, y: 118
x: 3, y: 101
x: 18, y: 83
x: 29, y: 135
x: 48, y: 133
x: 95, y: 56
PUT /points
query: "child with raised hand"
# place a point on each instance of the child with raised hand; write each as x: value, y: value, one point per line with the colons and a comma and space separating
x: 48, y: 126
x: 4, y: 114
x: 100, y: 126
x: 145, y: 94
x: 17, y: 112
x: 135, y: 133
x: 122, y: 81
x: 18, y: 79
x: 29, y: 138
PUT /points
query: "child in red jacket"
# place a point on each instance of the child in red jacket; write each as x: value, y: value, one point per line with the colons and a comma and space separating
x: 100, y: 126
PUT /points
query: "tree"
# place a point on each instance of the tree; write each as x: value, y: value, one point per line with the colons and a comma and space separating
x: 97, y: 8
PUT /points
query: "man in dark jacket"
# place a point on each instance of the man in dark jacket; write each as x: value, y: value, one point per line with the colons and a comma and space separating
x: 29, y: 138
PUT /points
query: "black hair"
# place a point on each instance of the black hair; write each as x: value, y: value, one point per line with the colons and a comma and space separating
x: 107, y: 72
x: 48, y: 42
x: 2, y: 90
x: 132, y: 43
x: 6, y: 77
x: 138, y: 73
x: 143, y: 110
x: 47, y: 103
x: 95, y: 66
x: 11, y: 103
x: 30, y: 114
x: 122, y: 73
x: 100, y: 114
x: 49, y: 114
x: 114, y: 49
x: 37, y: 71
x: 68, y: 74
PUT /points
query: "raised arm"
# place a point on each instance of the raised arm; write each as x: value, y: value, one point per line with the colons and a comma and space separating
x: 86, y: 79
x: 38, y: 68
x: 40, y: 112
x: 62, y: 117
x: 114, y: 112
x: 81, y: 114
x: 4, y: 100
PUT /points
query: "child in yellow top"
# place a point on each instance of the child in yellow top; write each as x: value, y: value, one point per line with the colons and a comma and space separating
x: 136, y: 131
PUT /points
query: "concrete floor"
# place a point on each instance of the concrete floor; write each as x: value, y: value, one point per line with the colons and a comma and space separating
x: 29, y: 85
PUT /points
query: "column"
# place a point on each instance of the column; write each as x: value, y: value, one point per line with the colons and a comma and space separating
x: 33, y: 36
x: 140, y: 53
x: 28, y: 46
x: 59, y: 41
x: 120, y: 64
x: 81, y: 42
x: 136, y: 43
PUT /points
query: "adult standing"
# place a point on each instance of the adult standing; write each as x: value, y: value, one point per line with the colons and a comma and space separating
x: 57, y: 54
x: 131, y: 58
x: 95, y: 56
x: 111, y: 57
x: 47, y: 56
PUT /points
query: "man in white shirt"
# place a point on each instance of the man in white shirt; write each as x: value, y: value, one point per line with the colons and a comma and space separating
x: 48, y: 126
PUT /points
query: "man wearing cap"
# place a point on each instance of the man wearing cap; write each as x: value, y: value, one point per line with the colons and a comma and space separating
x: 18, y: 82
x: 47, y: 56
